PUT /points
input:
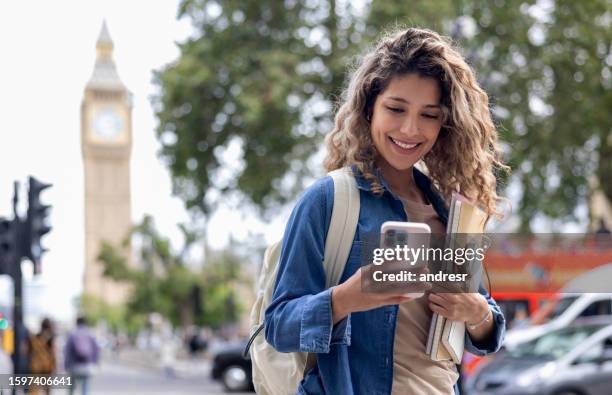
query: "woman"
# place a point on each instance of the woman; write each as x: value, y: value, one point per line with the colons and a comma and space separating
x: 413, y: 99
x: 42, y: 359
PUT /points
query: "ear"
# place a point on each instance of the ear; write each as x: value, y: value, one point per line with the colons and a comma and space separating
x: 368, y: 110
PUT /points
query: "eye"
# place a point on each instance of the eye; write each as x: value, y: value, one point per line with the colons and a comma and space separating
x: 395, y: 109
x: 430, y: 116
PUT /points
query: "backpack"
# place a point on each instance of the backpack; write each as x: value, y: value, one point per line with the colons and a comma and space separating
x: 42, y: 358
x: 276, y: 373
x: 83, y: 347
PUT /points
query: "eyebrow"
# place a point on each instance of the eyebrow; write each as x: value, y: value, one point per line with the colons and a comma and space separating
x: 402, y: 100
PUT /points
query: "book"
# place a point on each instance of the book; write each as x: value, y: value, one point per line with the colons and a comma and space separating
x: 453, y: 339
x: 434, y: 319
x: 446, y: 338
x: 438, y: 351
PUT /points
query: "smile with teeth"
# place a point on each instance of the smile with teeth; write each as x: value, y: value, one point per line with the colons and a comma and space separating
x: 404, y: 145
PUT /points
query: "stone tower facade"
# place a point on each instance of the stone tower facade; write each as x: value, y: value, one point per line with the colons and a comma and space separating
x: 106, y: 143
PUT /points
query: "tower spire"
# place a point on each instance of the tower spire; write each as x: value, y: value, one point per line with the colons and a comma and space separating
x: 104, y: 45
x: 105, y: 73
x: 104, y: 37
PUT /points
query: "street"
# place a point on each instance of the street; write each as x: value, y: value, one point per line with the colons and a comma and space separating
x: 115, y: 376
x: 118, y: 378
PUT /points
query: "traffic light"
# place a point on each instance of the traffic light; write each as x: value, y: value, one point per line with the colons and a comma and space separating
x: 36, y: 222
x: 7, y: 245
x: 3, y: 322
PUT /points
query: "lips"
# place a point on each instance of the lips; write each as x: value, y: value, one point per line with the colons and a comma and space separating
x: 404, y: 146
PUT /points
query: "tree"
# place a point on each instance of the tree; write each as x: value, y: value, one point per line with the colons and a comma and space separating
x: 223, y: 276
x: 117, y: 317
x: 546, y: 66
x: 164, y: 283
x: 259, y: 80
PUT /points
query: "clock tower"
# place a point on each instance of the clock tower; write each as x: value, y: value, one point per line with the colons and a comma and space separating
x: 106, y: 142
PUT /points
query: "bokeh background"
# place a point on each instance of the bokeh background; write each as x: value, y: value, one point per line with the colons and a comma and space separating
x: 230, y: 104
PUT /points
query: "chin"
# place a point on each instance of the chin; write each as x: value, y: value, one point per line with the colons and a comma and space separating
x: 399, y: 165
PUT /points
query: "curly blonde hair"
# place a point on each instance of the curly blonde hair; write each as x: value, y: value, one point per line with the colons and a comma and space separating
x: 466, y: 154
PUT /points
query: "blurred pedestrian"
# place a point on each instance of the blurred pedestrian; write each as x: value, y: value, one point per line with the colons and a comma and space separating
x: 603, y: 237
x: 81, y: 356
x: 42, y: 357
x: 167, y: 351
x: 196, y: 342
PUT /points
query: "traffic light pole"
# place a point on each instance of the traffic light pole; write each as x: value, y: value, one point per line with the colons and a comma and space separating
x: 19, y: 333
x: 21, y: 239
x: 18, y: 326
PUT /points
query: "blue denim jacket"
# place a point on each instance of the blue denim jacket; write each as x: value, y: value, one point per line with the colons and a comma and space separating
x: 355, y: 356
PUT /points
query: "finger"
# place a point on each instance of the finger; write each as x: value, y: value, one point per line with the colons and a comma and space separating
x: 449, y: 298
x: 439, y: 309
x: 377, y: 299
x: 448, y: 312
x: 397, y: 300
x: 438, y: 299
x: 401, y: 296
x: 455, y: 288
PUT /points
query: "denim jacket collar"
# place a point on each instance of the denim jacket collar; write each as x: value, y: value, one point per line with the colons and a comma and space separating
x: 421, y: 180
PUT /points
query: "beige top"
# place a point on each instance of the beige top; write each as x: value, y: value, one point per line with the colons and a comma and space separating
x: 414, y: 373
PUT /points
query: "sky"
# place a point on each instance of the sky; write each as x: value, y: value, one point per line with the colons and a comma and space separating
x: 48, y: 54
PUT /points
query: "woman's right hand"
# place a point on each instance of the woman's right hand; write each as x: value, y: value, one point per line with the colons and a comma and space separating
x: 349, y: 297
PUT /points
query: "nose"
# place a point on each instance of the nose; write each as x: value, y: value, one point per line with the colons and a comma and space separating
x: 410, y: 125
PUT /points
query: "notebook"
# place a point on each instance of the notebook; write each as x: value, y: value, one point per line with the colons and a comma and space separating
x: 446, y: 339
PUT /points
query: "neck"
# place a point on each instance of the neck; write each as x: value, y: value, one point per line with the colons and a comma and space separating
x: 401, y: 182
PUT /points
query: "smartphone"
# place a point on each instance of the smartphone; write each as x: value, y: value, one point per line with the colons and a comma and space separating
x: 393, y: 233
x: 413, y: 235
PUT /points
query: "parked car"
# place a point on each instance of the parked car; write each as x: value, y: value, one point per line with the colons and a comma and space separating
x: 568, y: 308
x: 576, y: 360
x: 232, y: 368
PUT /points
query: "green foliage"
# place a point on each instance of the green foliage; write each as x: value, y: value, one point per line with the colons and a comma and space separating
x: 162, y: 282
x: 116, y: 317
x: 115, y: 266
x: 223, y: 275
x: 255, y: 73
x: 547, y: 74
x: 544, y: 69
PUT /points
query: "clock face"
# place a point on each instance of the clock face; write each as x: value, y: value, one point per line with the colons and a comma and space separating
x: 107, y: 124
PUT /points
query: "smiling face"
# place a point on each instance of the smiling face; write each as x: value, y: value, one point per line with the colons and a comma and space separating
x: 406, y: 120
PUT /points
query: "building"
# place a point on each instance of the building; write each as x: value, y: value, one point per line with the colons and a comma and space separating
x: 106, y: 143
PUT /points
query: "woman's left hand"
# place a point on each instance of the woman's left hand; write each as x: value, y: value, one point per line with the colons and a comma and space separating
x: 471, y: 308
x: 465, y: 307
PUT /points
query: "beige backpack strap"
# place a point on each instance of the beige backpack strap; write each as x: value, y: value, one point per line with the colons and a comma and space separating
x: 345, y: 215
x: 341, y: 232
